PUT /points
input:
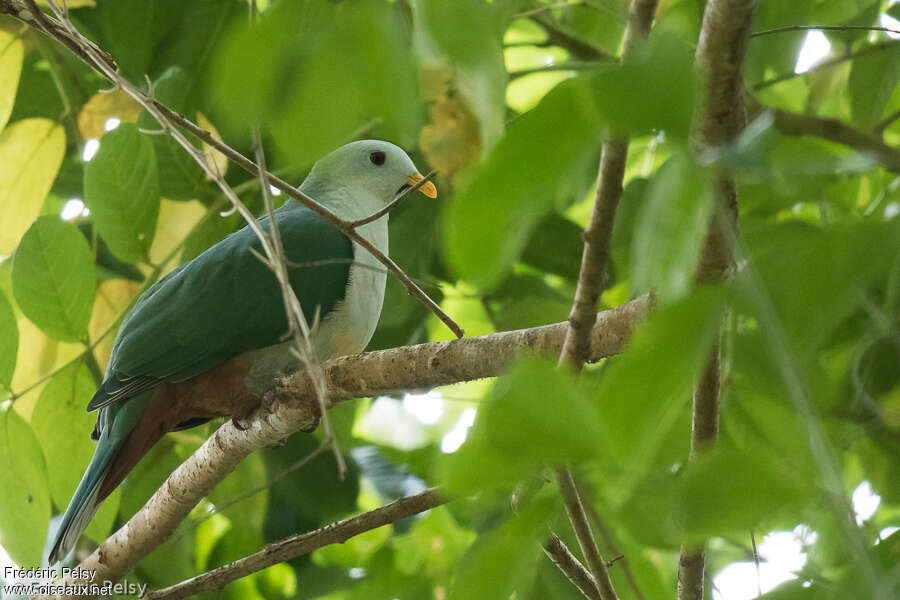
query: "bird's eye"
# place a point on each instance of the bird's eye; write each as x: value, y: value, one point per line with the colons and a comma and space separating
x: 377, y: 158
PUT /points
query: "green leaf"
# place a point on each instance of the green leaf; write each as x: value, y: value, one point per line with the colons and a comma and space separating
x: 517, y: 432
x: 63, y: 427
x: 642, y: 400
x: 314, y: 73
x: 670, y: 229
x: 25, y: 501
x: 521, y: 180
x: 11, y: 53
x: 729, y: 491
x: 816, y: 278
x: 122, y: 191
x: 873, y: 78
x: 9, y: 341
x: 555, y: 247
x: 31, y: 152
x: 665, y: 66
x: 503, y: 559
x: 180, y: 176
x: 467, y: 33
x: 53, y: 278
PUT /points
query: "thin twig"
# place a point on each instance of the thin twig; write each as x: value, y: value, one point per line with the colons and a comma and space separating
x: 299, y: 544
x: 578, y: 518
x: 833, y: 130
x: 887, y: 45
x: 393, y: 203
x: 822, y: 28
x: 591, y: 281
x: 562, y: 557
x: 545, y: 8
x: 612, y: 546
x: 298, y: 327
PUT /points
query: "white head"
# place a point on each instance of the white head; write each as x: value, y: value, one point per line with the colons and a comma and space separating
x: 373, y: 167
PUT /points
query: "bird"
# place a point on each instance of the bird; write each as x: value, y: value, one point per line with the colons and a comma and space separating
x: 210, y: 335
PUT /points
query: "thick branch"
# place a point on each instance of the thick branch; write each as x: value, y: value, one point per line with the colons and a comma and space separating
x: 300, y: 544
x: 724, y: 37
x: 292, y: 406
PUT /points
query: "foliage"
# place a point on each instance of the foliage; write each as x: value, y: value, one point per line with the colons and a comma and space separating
x: 811, y: 359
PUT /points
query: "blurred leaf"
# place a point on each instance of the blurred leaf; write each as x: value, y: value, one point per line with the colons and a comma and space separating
x: 670, y: 229
x: 873, y: 78
x: 521, y: 180
x: 11, y: 52
x: 466, y: 35
x: 433, y: 546
x: 503, y: 559
x: 180, y: 176
x: 63, y: 426
x: 527, y: 301
x: 122, y: 191
x: 641, y: 402
x: 25, y: 501
x: 104, y: 106
x: 132, y: 29
x: 30, y: 154
x: 663, y: 65
x: 555, y: 247
x: 816, y: 278
x: 53, y: 278
x: 323, y: 69
x: 250, y: 511
x: 730, y: 491
x: 176, y: 221
x: 9, y: 341
x: 517, y: 432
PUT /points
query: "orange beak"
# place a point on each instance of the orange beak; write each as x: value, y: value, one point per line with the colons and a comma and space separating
x: 427, y: 188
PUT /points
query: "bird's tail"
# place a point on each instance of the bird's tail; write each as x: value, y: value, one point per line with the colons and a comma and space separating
x: 85, y: 501
x: 127, y: 431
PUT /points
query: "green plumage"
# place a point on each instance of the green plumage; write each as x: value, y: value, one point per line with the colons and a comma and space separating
x: 223, y: 303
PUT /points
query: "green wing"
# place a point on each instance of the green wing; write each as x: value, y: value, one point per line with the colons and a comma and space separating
x: 223, y: 303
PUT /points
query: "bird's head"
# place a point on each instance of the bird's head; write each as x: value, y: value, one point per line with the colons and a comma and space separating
x: 374, y: 166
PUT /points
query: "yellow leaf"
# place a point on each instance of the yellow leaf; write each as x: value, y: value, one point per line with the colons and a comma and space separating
x: 450, y: 141
x: 102, y: 107
x: 113, y: 296
x: 213, y: 157
x: 38, y: 355
x: 11, y: 52
x: 176, y: 220
x: 31, y: 151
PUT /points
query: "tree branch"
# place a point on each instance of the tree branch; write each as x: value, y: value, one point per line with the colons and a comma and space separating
x: 27, y: 12
x: 572, y: 568
x: 591, y: 281
x: 578, y: 518
x: 833, y: 130
x: 724, y: 37
x: 292, y: 406
x: 300, y: 544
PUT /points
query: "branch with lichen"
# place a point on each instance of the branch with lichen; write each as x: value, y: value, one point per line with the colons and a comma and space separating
x: 292, y: 406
